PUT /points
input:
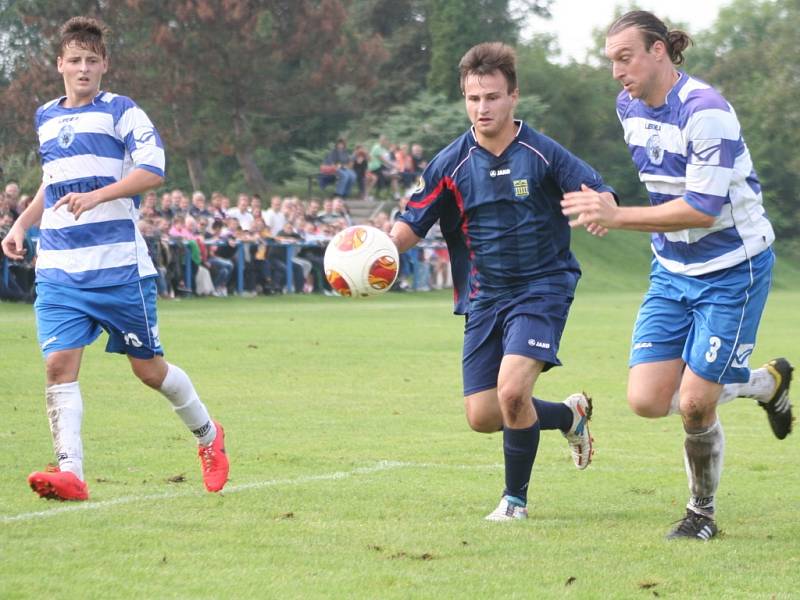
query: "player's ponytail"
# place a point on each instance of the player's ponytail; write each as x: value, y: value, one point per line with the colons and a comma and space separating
x: 677, y: 42
x: 653, y: 30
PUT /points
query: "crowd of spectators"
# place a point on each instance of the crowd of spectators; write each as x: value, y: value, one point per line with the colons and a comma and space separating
x: 386, y: 166
x: 247, y: 246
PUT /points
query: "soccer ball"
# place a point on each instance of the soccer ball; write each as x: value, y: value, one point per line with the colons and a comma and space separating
x: 361, y: 261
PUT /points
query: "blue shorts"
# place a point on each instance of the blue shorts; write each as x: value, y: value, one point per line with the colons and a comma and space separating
x: 710, y: 321
x: 529, y: 326
x: 68, y: 318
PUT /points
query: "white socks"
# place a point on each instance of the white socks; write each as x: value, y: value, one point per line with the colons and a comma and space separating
x: 761, y: 386
x: 703, y: 454
x: 65, y: 413
x: 178, y: 389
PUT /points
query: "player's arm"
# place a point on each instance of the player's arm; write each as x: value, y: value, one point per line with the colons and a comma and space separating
x: 14, y: 242
x: 137, y: 181
x: 403, y: 236
x: 588, y: 207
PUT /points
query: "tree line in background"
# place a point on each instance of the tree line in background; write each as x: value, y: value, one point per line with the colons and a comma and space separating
x: 247, y: 92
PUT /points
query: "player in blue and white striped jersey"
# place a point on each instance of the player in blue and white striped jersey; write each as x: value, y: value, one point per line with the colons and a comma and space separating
x: 712, y: 241
x: 93, y: 273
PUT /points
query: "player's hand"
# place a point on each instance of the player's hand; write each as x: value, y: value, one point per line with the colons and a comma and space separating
x: 14, y: 244
x: 591, y: 209
x: 77, y: 203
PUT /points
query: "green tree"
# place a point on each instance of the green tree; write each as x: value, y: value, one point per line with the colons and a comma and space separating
x: 457, y: 25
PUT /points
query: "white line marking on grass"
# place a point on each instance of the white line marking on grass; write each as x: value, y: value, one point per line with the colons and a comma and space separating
x: 384, y: 465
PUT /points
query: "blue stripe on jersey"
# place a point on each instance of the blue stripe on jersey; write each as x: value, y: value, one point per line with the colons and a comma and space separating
x: 753, y: 182
x: 97, y: 144
x: 90, y: 234
x: 152, y: 169
x: 673, y: 165
x: 54, y: 191
x: 706, y: 203
x: 96, y: 278
x: 705, y: 249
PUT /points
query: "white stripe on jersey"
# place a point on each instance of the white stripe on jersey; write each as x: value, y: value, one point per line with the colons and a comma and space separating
x: 89, y: 122
x: 637, y: 133
x: 75, y: 167
x: 90, y: 259
x: 107, y: 211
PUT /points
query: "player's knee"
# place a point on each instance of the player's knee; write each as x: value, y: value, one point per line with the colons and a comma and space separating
x: 482, y: 420
x: 148, y: 376
x: 695, y: 410
x: 647, y: 405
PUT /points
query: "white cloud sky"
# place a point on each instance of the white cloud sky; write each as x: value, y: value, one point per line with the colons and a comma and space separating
x: 573, y: 20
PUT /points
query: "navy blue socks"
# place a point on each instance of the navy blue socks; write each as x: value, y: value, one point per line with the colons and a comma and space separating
x: 519, y: 449
x: 553, y: 415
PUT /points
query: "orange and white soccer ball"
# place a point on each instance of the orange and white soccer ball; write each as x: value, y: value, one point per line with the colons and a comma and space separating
x: 361, y: 261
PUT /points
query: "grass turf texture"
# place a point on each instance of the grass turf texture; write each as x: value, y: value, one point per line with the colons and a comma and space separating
x: 354, y: 473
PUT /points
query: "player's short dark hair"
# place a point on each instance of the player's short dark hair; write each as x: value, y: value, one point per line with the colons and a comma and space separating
x: 653, y: 30
x: 487, y: 58
x: 85, y: 32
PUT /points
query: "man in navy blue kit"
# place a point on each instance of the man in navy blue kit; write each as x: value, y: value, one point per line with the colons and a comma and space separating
x: 496, y: 193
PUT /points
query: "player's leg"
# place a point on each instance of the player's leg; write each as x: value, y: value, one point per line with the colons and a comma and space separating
x: 63, y: 329
x: 704, y: 451
x: 659, y: 336
x: 130, y: 317
x: 726, y: 309
x: 653, y: 387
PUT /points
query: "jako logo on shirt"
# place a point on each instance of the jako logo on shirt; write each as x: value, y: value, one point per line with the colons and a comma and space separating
x: 131, y: 339
x: 536, y: 344
x: 496, y: 173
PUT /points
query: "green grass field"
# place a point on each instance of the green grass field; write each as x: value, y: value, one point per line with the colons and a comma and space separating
x: 354, y: 474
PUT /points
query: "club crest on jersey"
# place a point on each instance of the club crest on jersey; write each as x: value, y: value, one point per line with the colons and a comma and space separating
x: 66, y: 136
x: 420, y: 186
x: 655, y: 152
x: 521, y: 188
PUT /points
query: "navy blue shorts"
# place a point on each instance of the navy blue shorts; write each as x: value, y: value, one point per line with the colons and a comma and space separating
x: 529, y: 326
x: 68, y: 318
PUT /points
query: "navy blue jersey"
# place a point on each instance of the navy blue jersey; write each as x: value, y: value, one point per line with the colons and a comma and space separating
x: 501, y: 215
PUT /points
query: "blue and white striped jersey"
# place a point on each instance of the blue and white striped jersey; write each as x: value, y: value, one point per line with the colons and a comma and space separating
x: 692, y: 147
x: 84, y: 149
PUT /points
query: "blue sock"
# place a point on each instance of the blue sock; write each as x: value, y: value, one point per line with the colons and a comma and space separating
x: 519, y: 449
x: 553, y: 415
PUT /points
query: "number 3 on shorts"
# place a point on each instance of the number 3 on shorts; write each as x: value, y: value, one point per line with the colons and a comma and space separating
x: 714, y: 344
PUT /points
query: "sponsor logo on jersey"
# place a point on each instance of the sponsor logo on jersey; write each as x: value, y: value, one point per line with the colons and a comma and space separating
x: 66, y: 136
x: 420, y: 186
x: 640, y: 345
x: 131, y: 339
x: 521, y: 188
x: 651, y: 125
x: 537, y: 344
x: 498, y: 172
x: 144, y: 136
x: 655, y: 152
x: 706, y: 152
x: 742, y: 358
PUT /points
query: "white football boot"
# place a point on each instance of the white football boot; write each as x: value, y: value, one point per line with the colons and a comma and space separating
x: 578, y: 436
x: 508, y: 510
